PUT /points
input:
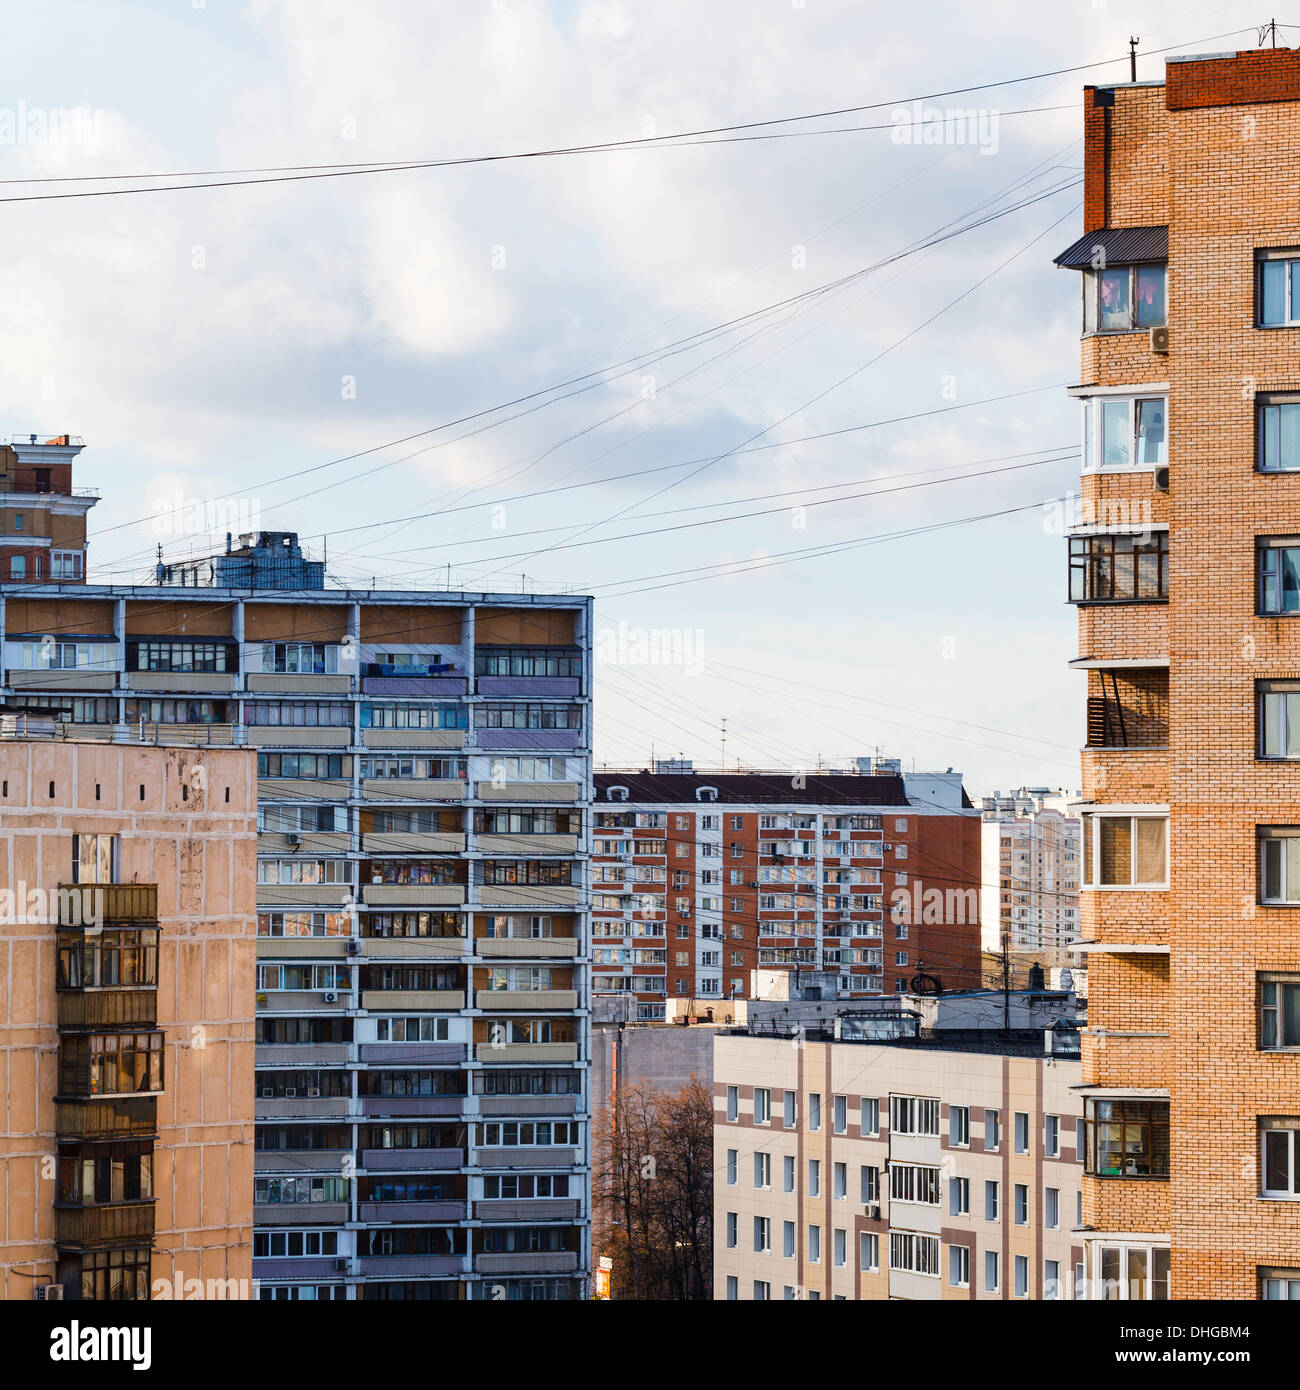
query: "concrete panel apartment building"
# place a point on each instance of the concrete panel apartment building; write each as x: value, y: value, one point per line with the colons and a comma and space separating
x: 699, y: 878
x: 128, y: 930
x: 424, y: 778
x: 1186, y: 570
x: 1031, y: 864
x: 923, y: 1169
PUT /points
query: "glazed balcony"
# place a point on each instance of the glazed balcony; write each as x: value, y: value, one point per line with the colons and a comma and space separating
x: 108, y: 1008
x: 411, y: 1160
x: 527, y: 1262
x: 93, y: 1226
x: 135, y: 1117
x: 449, y: 1210
x: 108, y: 904
x: 545, y: 1209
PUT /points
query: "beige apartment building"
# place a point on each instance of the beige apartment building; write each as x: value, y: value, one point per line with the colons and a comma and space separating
x: 1185, y: 565
x: 924, y: 1169
x: 1030, y: 883
x: 128, y: 927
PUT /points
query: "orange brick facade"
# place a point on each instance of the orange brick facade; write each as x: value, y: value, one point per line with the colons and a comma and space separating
x: 1174, y: 973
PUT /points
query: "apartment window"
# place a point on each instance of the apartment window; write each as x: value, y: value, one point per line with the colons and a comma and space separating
x: 1051, y: 1207
x: 990, y: 1271
x: 18, y: 567
x: 1277, y: 288
x: 1080, y: 1136
x: 1277, y: 708
x: 1124, y: 432
x: 841, y: 1116
x: 733, y: 1288
x: 959, y: 1126
x: 790, y: 1108
x: 868, y: 1251
x: 840, y: 1181
x: 1279, y: 1159
x: 762, y: 1291
x: 814, y: 1244
x: 1279, y: 1285
x: 870, y: 1123
x: 913, y: 1182
x: 1277, y: 564
x: 814, y: 1177
x: 913, y: 1115
x: 1113, y: 568
x: 814, y: 1111
x: 959, y: 1266
x: 762, y: 1170
x: 1127, y: 1138
x: 1279, y: 851
x: 1277, y: 434
x: 731, y: 1167
x: 1137, y: 1273
x: 762, y: 1105
x: 1124, y: 298
x: 787, y: 1239
x: 869, y: 1184
x: 990, y: 1200
x: 1279, y: 1011
x: 919, y: 1254
x: 733, y: 1103
x: 958, y: 1196
x: 1125, y: 851
x: 788, y: 1172
x: 762, y: 1234
x: 1052, y: 1136
x: 1022, y: 1276
x: 1052, y: 1279
x: 992, y: 1130
x: 1022, y: 1132
x: 1021, y: 1197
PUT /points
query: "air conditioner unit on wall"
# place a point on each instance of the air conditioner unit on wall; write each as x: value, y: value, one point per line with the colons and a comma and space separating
x: 1160, y: 340
x: 1160, y: 478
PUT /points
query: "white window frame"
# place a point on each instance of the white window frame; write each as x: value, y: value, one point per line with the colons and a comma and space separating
x: 1092, y: 441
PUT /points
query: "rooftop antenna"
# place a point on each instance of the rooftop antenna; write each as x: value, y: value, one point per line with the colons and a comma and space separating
x: 724, y: 743
x: 1265, y: 30
x: 1132, y: 60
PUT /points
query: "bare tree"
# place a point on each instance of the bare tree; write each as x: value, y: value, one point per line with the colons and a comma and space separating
x: 653, y: 1192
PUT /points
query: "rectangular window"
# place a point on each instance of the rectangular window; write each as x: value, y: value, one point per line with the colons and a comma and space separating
x: 733, y: 1103
x: 959, y: 1126
x: 762, y: 1234
x: 762, y: 1169
x: 990, y: 1271
x: 1280, y: 1285
x: 1051, y: 1207
x: 840, y: 1181
x: 1279, y: 1156
x: 733, y: 1288
x: 1279, y: 1011
x: 841, y: 1119
x: 992, y: 1131
x: 868, y: 1251
x: 913, y: 1115
x: 1022, y: 1276
x: 958, y: 1196
x: 869, y: 1184
x: 839, y: 1247
x: 788, y: 1172
x: 789, y: 1109
x: 1124, y: 432
x: 1279, y: 864
x: 731, y: 1167
x: 1052, y: 1136
x: 1022, y: 1132
x: 870, y: 1115
x: 1125, y: 851
x: 1277, y: 288
x: 1123, y: 299
x: 990, y: 1200
x: 814, y: 1111
x: 1131, y: 1272
x: 1114, y: 568
x: 1277, y: 561
x: 1127, y: 1138
x: 814, y: 1244
x: 814, y: 1177
x: 959, y: 1266
x: 787, y: 1240
x: 1277, y: 710
x: 1022, y: 1204
x: 762, y: 1291
x: 1277, y: 434
x: 762, y: 1105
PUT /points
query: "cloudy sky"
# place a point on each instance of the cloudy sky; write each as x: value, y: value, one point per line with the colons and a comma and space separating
x: 711, y: 308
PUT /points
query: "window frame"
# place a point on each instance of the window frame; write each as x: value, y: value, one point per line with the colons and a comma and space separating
x: 1092, y: 446
x: 1091, y: 288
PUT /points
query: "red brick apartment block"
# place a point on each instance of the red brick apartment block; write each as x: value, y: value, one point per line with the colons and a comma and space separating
x: 1188, y: 587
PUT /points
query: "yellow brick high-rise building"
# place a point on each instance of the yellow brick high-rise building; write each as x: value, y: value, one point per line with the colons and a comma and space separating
x: 1185, y: 566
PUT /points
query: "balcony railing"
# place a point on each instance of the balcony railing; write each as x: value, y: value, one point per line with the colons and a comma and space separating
x: 134, y: 1117
x: 99, y: 904
x: 107, y: 1008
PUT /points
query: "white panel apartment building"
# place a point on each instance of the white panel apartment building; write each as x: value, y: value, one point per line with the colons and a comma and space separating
x: 1030, y: 861
x: 927, y: 1170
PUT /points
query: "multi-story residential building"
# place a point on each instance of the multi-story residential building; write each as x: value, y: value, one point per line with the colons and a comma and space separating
x: 699, y: 878
x: 423, y: 764
x: 1030, y: 883
x: 42, y: 519
x: 126, y: 1016
x: 943, y: 1165
x: 1184, y: 565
